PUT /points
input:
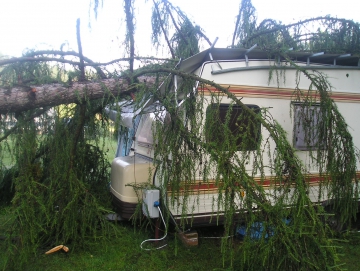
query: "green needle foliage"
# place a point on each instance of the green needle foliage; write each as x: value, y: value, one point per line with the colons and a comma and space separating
x: 60, y: 181
x: 323, y: 33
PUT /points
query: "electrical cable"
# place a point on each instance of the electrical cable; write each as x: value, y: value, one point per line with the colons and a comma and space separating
x: 154, y: 240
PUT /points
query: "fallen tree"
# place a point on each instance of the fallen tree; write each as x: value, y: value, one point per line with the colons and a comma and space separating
x: 22, y: 98
x: 68, y: 155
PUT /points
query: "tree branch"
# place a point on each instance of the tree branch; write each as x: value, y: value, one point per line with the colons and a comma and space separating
x: 280, y: 27
x: 62, y: 60
x: 39, y: 59
x: 203, y: 36
x: 163, y: 30
x: 130, y: 31
x: 81, y: 66
x: 235, y: 30
x: 177, y: 28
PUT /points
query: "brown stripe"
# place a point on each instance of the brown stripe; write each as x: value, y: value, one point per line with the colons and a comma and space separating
x: 212, y: 187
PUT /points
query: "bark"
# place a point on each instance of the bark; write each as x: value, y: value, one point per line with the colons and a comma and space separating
x: 21, y: 98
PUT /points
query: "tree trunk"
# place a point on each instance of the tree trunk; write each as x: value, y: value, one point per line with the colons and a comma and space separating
x: 21, y: 98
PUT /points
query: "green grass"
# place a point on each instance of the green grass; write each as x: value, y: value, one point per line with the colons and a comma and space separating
x: 109, y: 148
x: 350, y: 251
x: 109, y: 145
x: 6, y: 158
x: 122, y: 251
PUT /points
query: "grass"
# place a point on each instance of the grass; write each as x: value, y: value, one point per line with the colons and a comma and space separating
x: 6, y: 158
x: 122, y: 251
x: 109, y: 145
x: 350, y: 251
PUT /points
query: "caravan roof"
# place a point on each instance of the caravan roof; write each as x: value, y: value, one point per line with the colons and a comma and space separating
x: 190, y: 64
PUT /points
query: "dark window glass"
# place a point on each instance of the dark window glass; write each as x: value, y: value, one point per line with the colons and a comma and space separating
x: 233, y: 128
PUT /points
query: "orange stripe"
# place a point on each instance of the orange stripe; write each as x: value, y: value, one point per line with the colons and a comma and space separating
x: 279, y: 93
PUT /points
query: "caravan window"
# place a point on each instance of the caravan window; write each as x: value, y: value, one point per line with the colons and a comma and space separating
x: 230, y: 125
x: 306, y: 123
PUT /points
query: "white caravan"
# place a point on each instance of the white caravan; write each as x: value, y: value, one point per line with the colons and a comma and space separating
x: 246, y: 74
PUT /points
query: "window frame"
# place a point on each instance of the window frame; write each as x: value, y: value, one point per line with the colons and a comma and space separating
x: 301, y: 141
x: 223, y: 109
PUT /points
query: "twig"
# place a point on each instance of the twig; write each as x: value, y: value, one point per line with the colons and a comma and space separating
x: 81, y: 66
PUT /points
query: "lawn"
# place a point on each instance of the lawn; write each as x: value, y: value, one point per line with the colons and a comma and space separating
x: 122, y: 251
x: 108, y: 144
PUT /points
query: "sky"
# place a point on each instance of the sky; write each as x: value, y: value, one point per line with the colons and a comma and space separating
x: 49, y: 24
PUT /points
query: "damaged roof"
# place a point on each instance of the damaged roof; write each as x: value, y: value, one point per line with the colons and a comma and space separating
x: 190, y: 64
